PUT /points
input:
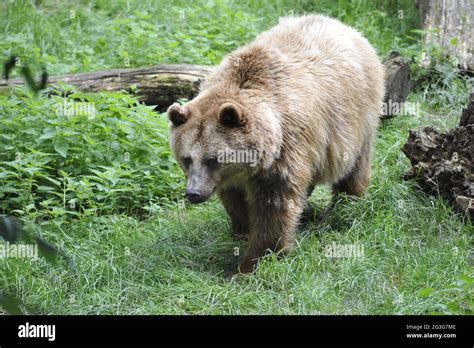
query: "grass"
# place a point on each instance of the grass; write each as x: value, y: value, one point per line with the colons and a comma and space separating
x: 175, y: 262
x: 416, y: 248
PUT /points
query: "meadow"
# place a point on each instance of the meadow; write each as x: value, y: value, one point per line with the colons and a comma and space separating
x: 107, y: 192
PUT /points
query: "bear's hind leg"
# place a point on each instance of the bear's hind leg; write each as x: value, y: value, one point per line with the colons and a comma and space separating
x: 357, y: 180
x: 308, y: 214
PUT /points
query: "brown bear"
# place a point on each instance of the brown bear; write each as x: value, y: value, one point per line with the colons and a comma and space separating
x: 297, y: 107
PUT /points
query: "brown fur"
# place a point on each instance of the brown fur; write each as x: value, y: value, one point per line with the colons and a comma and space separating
x: 306, y: 96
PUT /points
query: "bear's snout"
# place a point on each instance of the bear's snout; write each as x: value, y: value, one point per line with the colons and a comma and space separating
x: 199, y: 187
x: 196, y: 197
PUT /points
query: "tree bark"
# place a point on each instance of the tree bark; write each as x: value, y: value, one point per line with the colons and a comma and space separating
x: 454, y: 19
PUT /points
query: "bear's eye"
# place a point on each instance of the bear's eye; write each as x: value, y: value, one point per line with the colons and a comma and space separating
x: 187, y: 161
x: 211, y: 162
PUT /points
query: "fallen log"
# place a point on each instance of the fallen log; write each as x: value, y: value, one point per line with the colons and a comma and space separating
x: 159, y: 85
x: 443, y: 163
x: 162, y: 85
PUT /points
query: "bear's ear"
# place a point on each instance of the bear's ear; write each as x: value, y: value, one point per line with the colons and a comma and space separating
x: 178, y: 114
x: 231, y: 116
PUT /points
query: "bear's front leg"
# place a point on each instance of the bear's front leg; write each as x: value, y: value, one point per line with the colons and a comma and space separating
x: 233, y: 200
x: 273, y: 220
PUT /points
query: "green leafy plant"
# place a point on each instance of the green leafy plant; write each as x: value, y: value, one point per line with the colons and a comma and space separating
x: 461, y: 296
x: 436, y: 75
x: 83, y: 154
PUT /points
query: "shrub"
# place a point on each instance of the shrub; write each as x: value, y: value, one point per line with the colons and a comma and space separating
x: 90, y: 153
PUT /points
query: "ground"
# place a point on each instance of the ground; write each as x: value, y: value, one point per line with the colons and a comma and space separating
x: 416, y: 249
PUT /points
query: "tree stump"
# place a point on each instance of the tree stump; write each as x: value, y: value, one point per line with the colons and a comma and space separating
x: 397, y: 84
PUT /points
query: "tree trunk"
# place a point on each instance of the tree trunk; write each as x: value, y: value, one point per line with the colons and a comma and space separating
x: 454, y: 19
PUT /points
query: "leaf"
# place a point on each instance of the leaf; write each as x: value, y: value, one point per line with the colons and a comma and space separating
x: 426, y: 292
x: 48, y: 134
x: 30, y: 207
x: 5, y: 173
x: 45, y: 188
x: 467, y: 279
x: 453, y: 307
x: 54, y: 181
x: 8, y: 189
x: 62, y: 148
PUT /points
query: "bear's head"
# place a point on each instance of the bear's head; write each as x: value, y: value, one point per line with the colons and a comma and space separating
x: 220, y: 139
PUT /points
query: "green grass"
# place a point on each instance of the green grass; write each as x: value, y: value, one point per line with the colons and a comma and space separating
x: 173, y: 260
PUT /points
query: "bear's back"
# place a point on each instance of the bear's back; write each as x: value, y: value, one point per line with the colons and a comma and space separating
x: 333, y: 83
x: 316, y: 38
